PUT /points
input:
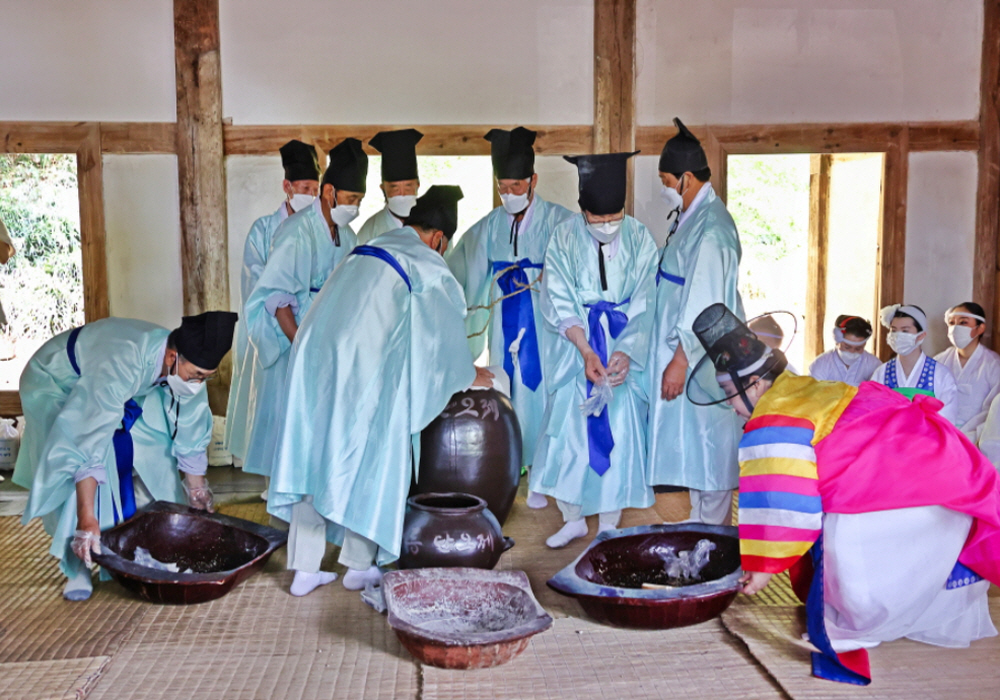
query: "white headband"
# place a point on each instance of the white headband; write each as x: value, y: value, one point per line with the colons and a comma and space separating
x: 949, y: 313
x: 746, y: 371
x: 838, y: 336
x: 889, y: 312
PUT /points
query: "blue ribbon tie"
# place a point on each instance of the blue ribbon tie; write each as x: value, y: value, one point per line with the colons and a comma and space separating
x: 385, y: 256
x: 599, y: 438
x: 517, y: 313
x: 661, y: 275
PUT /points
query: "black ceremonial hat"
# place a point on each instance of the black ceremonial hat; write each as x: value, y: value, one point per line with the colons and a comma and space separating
x: 602, y: 181
x: 399, y: 153
x: 682, y: 153
x: 438, y: 209
x: 204, y: 339
x: 348, y: 167
x: 299, y: 161
x: 512, y: 153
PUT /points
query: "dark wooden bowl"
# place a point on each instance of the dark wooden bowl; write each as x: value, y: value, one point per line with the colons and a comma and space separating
x: 219, y: 550
x: 607, y: 577
x: 463, y: 618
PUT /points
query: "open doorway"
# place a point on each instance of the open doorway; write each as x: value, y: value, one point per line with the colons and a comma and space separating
x: 41, y: 285
x: 809, y: 226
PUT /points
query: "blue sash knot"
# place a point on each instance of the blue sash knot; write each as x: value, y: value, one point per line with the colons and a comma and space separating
x: 121, y: 440
x: 599, y: 438
x: 517, y: 312
x: 385, y: 256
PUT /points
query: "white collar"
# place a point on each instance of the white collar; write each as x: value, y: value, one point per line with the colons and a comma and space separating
x: 610, y: 249
x: 159, y: 364
x: 282, y: 211
x: 698, y: 199
x: 388, y: 212
x: 917, y: 368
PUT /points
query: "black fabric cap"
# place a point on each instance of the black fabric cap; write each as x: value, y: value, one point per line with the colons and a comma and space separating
x: 602, y: 181
x: 347, y: 169
x: 682, y: 153
x: 399, y: 153
x: 300, y: 161
x: 437, y: 209
x: 204, y: 339
x: 512, y: 154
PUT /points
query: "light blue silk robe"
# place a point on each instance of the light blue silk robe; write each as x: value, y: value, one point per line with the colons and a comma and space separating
x: 378, y: 223
x: 363, y: 382
x: 473, y: 260
x: 70, y: 421
x: 561, y: 466
x: 689, y: 445
x: 255, y: 253
x: 302, y: 257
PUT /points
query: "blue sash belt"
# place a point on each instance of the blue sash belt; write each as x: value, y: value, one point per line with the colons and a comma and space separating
x: 121, y: 441
x: 314, y: 290
x: 599, y: 438
x: 661, y: 275
x: 517, y: 313
x: 386, y: 256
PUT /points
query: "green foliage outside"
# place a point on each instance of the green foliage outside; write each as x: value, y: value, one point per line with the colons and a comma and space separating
x: 41, y: 286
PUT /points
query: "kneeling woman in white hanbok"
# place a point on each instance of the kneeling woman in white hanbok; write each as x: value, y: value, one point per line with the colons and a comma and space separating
x: 911, y: 372
x: 599, y: 266
x: 849, y: 361
x: 899, y: 513
x: 975, y: 367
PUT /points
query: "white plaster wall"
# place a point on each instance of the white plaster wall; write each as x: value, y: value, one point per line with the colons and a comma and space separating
x: 650, y: 209
x: 940, y: 236
x: 88, y: 60
x: 142, y: 215
x: 390, y: 62
x: 558, y: 181
x: 786, y: 61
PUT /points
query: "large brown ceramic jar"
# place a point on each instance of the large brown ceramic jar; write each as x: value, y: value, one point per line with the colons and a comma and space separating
x: 450, y: 529
x: 474, y: 446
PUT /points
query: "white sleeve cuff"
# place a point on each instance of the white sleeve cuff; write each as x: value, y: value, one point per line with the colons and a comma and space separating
x: 95, y: 471
x: 195, y: 464
x: 280, y: 300
x: 568, y: 323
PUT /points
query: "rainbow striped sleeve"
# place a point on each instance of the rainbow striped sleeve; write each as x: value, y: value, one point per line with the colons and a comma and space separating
x: 781, y: 514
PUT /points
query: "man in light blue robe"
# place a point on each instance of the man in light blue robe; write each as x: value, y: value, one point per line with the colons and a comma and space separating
x: 400, y: 181
x: 503, y: 254
x: 113, y: 410
x: 689, y: 445
x: 597, y: 300
x: 306, y: 249
x: 363, y: 381
x: 301, y: 184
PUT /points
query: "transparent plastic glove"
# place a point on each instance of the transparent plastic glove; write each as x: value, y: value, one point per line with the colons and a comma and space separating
x: 86, y: 542
x: 198, y: 493
x: 618, y: 367
x: 599, y: 398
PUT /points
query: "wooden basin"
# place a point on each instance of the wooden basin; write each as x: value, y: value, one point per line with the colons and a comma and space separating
x: 607, y: 578
x: 219, y: 550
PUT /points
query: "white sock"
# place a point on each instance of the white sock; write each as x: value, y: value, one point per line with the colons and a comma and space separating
x: 79, y: 586
x: 356, y: 579
x: 537, y: 501
x: 306, y: 582
x: 569, y: 532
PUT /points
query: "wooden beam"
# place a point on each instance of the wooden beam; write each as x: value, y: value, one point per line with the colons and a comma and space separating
x: 718, y: 163
x: 200, y: 161
x: 90, y: 184
x: 42, y: 137
x: 138, y: 137
x: 987, y: 264
x: 438, y: 140
x: 891, y: 264
x: 819, y: 237
x: 614, y: 81
x: 10, y: 404
x: 862, y: 137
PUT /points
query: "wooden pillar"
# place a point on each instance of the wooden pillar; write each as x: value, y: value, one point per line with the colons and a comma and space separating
x: 987, y: 263
x: 94, y: 261
x: 819, y: 236
x: 892, y: 233
x: 614, y: 81
x: 200, y: 160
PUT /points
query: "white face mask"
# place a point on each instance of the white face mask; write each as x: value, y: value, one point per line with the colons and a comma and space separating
x: 903, y: 343
x: 298, y: 202
x: 514, y: 203
x: 401, y: 204
x: 672, y: 197
x: 181, y: 388
x: 848, y: 358
x: 343, y: 214
x: 606, y: 232
x: 960, y: 336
